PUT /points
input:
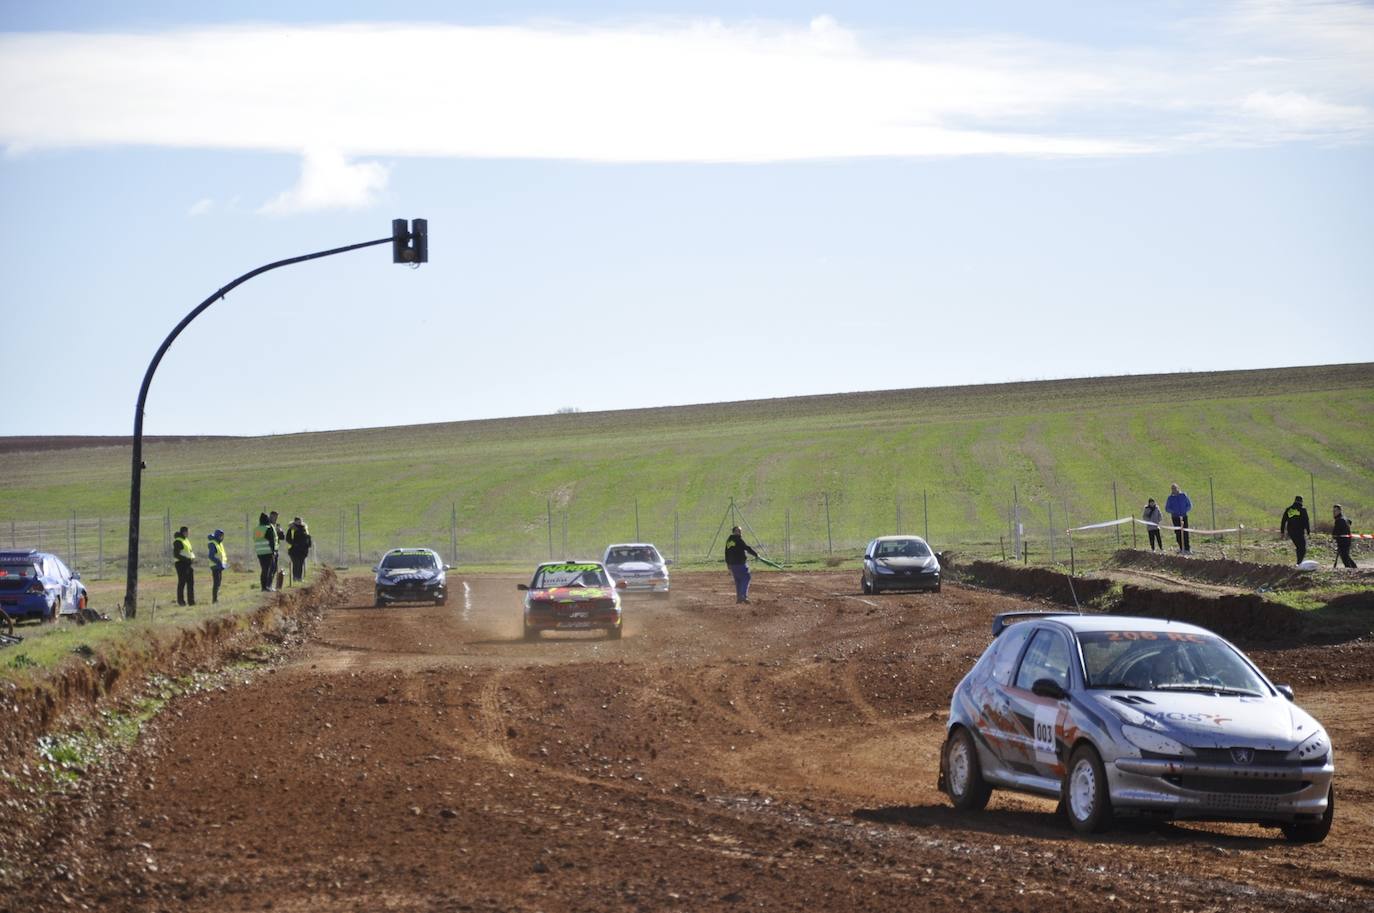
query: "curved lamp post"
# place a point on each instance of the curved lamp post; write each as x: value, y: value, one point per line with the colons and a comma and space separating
x: 409, y: 245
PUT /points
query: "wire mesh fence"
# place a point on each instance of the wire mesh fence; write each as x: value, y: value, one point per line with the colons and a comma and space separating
x: 815, y: 528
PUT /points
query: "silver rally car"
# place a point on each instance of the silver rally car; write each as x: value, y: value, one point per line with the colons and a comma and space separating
x: 1134, y: 716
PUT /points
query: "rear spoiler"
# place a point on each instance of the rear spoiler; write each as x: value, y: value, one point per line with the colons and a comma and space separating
x: 1002, y: 620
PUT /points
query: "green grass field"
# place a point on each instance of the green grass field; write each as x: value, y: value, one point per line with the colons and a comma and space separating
x: 1258, y: 436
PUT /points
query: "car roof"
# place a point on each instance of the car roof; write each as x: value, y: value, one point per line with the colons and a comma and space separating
x: 12, y: 554
x: 632, y: 545
x: 902, y: 537
x: 410, y: 551
x: 1089, y: 623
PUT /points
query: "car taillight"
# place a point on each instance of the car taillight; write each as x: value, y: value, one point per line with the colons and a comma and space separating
x: 36, y: 587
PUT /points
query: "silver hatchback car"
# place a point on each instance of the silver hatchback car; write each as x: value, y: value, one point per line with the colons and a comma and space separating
x: 1118, y: 716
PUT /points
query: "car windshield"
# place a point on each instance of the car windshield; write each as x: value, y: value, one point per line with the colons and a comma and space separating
x: 418, y: 560
x: 626, y: 555
x: 902, y: 548
x: 18, y: 569
x: 561, y: 575
x: 1165, y: 661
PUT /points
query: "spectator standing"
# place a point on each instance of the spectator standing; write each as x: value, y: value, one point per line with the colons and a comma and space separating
x: 183, y: 557
x: 1295, y: 525
x: 1178, y: 507
x: 281, y: 534
x: 736, y: 559
x: 265, y: 545
x: 1153, y: 518
x: 298, y: 548
x: 1340, y: 528
x: 219, y: 560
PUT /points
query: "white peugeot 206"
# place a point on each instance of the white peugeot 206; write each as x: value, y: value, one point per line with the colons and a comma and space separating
x: 1119, y: 716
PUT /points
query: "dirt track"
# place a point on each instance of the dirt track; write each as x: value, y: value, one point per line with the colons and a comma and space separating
x: 780, y: 756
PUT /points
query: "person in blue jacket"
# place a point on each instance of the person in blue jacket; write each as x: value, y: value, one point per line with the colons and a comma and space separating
x: 1178, y: 505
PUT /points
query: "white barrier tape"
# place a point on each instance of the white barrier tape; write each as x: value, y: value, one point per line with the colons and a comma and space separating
x: 1188, y: 529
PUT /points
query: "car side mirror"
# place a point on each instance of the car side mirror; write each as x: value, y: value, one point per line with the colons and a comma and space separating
x: 620, y: 584
x: 377, y: 569
x: 1285, y: 690
x: 76, y: 575
x: 448, y: 567
x: 1048, y: 687
x: 667, y: 561
x: 522, y: 586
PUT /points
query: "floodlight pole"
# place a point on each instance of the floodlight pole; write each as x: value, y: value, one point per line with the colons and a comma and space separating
x: 409, y: 245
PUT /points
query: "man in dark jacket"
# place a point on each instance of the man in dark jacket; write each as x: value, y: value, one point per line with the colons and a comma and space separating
x: 184, y: 557
x: 1295, y: 526
x: 738, y: 563
x: 1340, y: 528
x: 298, y: 547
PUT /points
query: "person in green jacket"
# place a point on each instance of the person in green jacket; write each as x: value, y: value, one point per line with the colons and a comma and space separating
x: 265, y: 546
x: 219, y: 560
x: 184, y: 558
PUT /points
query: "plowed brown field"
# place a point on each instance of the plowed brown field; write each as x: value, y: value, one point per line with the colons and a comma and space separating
x: 777, y: 756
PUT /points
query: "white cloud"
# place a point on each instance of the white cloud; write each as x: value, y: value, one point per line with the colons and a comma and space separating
x: 684, y: 91
x: 328, y: 181
x: 201, y: 207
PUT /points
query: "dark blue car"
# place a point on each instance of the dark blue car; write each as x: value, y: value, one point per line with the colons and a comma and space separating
x: 36, y: 584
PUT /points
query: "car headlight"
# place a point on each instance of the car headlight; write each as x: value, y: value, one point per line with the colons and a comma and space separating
x: 1313, y: 750
x: 1158, y: 743
x: 882, y: 569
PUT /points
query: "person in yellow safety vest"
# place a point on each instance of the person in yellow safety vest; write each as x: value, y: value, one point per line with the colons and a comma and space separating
x: 219, y: 560
x: 183, y: 557
x: 265, y: 546
x: 298, y: 547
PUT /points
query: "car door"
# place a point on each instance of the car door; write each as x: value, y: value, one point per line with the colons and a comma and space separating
x: 996, y: 724
x: 1038, y: 717
x: 67, y: 588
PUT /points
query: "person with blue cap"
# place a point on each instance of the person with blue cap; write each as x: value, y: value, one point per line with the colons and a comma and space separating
x: 219, y: 560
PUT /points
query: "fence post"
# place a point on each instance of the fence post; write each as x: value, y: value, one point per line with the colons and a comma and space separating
x: 1213, y: 497
x: 1116, y: 514
x: 637, y: 539
x: 787, y: 535
x: 1002, y: 541
x: 548, y: 515
x: 565, y: 532
x: 453, y: 534
x: 897, y: 499
x: 1073, y: 565
x: 1051, y: 507
x: 829, y: 540
x: 1312, y: 478
x: 358, y: 514
x: 100, y: 549
x: 677, y: 539
x: 925, y: 508
x: 343, y: 540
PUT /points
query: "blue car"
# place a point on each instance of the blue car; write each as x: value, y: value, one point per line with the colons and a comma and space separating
x: 36, y: 584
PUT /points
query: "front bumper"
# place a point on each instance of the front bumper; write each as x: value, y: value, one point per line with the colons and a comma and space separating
x: 1184, y: 788
x: 572, y: 619
x: 643, y: 584
x: 429, y: 592
x: 905, y: 582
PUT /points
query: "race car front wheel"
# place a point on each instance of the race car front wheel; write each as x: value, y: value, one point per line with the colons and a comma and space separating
x: 1313, y: 831
x: 964, y: 774
x: 1087, y: 803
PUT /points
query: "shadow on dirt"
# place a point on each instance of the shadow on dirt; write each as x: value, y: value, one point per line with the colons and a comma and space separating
x: 1050, y: 826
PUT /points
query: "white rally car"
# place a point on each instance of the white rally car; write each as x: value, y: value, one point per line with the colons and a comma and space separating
x: 1115, y: 716
x: 638, y: 565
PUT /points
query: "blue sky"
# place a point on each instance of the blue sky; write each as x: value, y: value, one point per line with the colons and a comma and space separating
x: 641, y: 204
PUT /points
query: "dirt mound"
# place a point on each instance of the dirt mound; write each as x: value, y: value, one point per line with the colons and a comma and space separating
x: 1245, y: 618
x: 1222, y: 571
x: 1038, y: 582
x: 83, y: 684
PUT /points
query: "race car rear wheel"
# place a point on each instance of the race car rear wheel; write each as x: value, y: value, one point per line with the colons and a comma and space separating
x: 1087, y: 802
x: 964, y: 774
x: 865, y: 586
x: 1312, y: 831
x: 616, y: 632
x: 531, y: 633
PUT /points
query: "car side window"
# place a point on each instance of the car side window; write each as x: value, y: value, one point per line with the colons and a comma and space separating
x: 1047, y: 657
x: 1009, y: 644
